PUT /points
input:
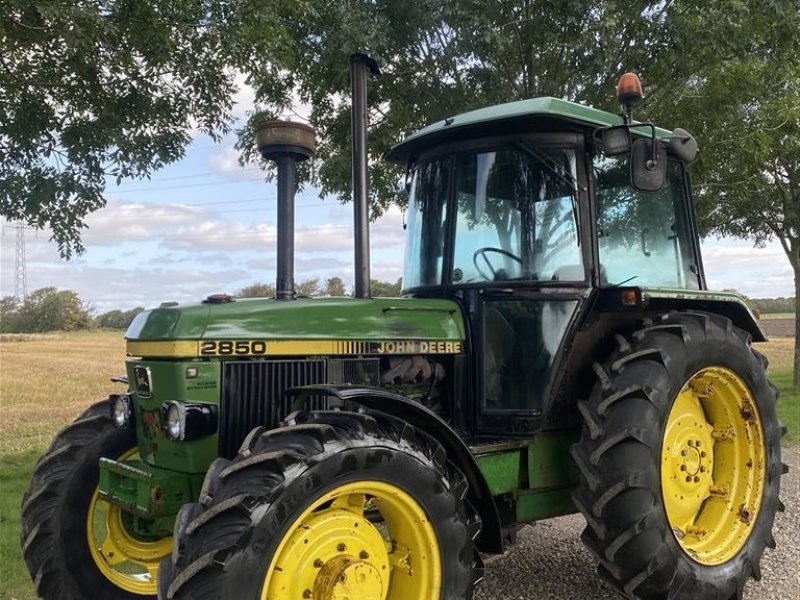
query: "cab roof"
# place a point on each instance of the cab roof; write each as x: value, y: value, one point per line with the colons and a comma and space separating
x: 540, y: 114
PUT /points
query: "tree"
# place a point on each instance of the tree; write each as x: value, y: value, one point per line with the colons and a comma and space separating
x: 308, y: 287
x: 9, y: 319
x: 117, y: 319
x: 46, y: 309
x: 97, y: 88
x: 334, y: 286
x: 257, y: 290
x: 746, y: 112
x: 385, y: 289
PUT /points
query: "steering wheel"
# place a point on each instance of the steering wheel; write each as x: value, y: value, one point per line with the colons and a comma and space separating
x: 482, y: 253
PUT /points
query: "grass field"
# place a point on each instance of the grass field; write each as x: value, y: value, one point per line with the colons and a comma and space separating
x: 771, y: 316
x: 45, y: 382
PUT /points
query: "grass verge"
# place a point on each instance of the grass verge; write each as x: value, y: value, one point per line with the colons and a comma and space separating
x: 15, y: 469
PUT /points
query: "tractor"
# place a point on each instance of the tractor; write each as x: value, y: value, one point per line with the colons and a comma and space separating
x: 555, y: 350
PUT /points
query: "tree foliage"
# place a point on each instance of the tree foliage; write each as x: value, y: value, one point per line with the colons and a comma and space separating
x: 117, y: 319
x: 46, y: 309
x: 101, y: 88
x: 385, y: 288
x: 311, y: 288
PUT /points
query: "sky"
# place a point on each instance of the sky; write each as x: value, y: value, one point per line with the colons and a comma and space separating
x: 206, y: 225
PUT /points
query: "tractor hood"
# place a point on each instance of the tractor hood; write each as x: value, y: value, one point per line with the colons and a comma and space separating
x: 253, y: 327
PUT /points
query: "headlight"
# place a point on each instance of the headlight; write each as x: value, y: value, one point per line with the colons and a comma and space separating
x: 175, y: 420
x: 186, y: 421
x: 121, y: 410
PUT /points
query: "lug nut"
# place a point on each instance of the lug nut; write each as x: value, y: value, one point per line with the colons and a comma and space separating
x: 696, y: 479
x: 683, y: 467
x: 363, y: 555
x: 688, y: 478
x: 307, y: 594
x: 319, y: 564
x: 703, y: 454
x: 341, y: 547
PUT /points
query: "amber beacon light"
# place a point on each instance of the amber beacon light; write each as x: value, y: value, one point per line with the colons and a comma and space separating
x: 629, y: 92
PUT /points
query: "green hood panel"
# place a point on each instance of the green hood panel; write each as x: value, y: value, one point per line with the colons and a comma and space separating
x: 307, y: 319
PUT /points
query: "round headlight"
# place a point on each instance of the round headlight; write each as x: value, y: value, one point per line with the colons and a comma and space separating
x: 174, y: 421
x: 121, y: 411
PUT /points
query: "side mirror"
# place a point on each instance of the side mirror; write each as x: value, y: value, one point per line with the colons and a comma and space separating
x: 683, y: 145
x: 615, y: 140
x: 648, y: 163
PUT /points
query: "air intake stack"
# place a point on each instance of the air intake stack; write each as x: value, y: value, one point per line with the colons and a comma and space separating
x: 286, y: 143
x: 361, y: 66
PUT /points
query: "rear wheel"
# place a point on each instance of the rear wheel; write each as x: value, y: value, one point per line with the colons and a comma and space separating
x: 680, y: 461
x: 77, y: 546
x: 345, y: 505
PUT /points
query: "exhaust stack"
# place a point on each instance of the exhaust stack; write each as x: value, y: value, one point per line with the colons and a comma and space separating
x: 286, y: 143
x: 361, y: 66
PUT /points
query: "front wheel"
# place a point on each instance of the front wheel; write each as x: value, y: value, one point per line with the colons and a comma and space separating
x: 75, y: 545
x: 346, y: 505
x: 680, y: 461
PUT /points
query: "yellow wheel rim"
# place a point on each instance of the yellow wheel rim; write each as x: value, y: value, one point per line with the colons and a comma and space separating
x: 367, y: 540
x: 713, y: 465
x: 129, y: 563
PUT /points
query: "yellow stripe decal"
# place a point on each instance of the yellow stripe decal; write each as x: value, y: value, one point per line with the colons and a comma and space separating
x: 174, y: 348
x: 208, y: 348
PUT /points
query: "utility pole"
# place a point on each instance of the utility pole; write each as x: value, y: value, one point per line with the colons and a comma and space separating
x: 21, y: 281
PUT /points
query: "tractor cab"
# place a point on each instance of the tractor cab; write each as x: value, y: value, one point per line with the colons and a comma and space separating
x: 532, y: 214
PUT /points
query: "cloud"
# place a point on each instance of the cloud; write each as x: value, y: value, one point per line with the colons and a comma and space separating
x: 755, y: 272
x: 224, y: 160
x: 111, y: 288
x: 121, y: 222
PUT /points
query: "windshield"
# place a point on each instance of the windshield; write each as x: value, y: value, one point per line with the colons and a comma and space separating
x: 644, y: 238
x: 516, y: 218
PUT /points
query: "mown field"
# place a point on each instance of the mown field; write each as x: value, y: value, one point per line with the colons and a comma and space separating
x: 46, y: 381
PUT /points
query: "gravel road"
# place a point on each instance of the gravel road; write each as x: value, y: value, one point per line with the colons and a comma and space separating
x: 549, y: 561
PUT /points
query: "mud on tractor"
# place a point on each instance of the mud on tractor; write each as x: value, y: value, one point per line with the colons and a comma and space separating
x: 555, y: 350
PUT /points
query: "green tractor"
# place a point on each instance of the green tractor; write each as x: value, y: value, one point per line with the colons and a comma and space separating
x: 555, y: 351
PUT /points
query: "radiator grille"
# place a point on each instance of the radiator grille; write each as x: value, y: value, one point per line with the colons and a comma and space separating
x: 253, y: 391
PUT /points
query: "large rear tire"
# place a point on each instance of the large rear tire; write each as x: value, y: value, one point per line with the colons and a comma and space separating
x: 680, y: 461
x: 343, y: 505
x: 75, y: 545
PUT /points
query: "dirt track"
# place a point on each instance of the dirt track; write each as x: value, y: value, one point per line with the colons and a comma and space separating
x: 778, y: 327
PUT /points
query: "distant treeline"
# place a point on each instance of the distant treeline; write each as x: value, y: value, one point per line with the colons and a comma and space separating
x: 772, y: 305
x: 50, y: 309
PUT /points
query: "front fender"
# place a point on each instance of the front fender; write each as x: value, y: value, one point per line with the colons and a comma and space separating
x: 480, y: 497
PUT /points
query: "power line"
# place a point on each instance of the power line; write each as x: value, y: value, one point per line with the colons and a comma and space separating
x: 261, y: 235
x: 185, y: 186
x: 93, y: 220
x: 190, y: 176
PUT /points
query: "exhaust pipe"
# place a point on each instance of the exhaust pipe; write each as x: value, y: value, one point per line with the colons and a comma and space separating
x: 361, y: 66
x: 286, y: 143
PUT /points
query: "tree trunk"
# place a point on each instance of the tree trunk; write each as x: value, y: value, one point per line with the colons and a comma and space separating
x: 796, y: 326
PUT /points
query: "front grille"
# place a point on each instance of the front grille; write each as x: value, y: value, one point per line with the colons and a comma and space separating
x: 253, y: 391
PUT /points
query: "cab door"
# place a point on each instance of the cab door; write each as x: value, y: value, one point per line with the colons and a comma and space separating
x: 520, y: 262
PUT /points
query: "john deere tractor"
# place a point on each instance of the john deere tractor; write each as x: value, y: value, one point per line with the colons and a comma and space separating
x: 555, y: 350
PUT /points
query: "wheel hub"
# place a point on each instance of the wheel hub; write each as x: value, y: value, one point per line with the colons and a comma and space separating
x: 349, y: 578
x: 713, y: 465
